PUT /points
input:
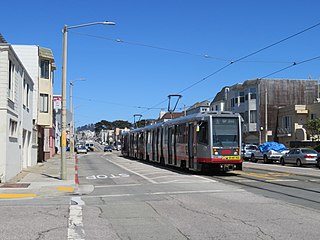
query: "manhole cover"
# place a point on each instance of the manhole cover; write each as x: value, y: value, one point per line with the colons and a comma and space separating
x: 15, y: 185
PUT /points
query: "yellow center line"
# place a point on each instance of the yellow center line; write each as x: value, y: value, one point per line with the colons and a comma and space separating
x: 65, y: 189
x: 257, y: 175
x: 17, y: 195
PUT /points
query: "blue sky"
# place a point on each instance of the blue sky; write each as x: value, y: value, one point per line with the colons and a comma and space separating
x: 124, y: 77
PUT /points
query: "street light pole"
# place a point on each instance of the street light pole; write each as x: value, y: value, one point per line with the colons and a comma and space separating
x: 72, y: 115
x: 63, y: 173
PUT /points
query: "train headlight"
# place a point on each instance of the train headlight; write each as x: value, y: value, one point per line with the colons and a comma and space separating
x: 235, y: 153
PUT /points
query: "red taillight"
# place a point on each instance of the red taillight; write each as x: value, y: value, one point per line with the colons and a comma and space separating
x: 309, y: 156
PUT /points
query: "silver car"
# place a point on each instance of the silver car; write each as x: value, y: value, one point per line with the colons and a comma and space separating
x: 300, y: 157
x: 247, y: 151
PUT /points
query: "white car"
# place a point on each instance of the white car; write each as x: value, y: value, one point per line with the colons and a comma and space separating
x: 82, y: 149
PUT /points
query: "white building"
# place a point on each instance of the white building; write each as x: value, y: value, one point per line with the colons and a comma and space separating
x: 39, y: 63
x: 16, y: 114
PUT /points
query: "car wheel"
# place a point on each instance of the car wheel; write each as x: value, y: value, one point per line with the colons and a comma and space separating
x: 253, y: 159
x: 282, y: 161
x: 265, y: 159
x: 299, y: 164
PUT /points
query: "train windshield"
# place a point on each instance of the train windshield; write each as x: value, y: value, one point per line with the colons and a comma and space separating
x: 225, y: 132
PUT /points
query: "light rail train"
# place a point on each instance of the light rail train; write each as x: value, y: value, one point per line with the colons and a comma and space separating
x: 198, y: 142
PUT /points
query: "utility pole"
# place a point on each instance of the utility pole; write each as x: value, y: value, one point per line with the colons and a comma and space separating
x: 266, y: 115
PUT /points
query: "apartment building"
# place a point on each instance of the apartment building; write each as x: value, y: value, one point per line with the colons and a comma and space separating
x: 39, y: 62
x: 16, y: 114
x: 292, y: 120
x: 199, y: 107
x: 258, y: 102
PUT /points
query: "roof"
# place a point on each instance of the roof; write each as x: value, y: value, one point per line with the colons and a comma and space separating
x: 204, y: 103
x: 46, y: 53
x: 2, y: 39
x: 172, y: 115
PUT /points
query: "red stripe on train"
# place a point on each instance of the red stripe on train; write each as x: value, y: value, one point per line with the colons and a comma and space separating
x: 217, y: 160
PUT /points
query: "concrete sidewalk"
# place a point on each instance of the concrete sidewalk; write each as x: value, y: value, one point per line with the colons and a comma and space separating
x: 42, y: 180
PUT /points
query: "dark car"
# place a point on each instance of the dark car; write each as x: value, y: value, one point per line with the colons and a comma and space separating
x: 108, y: 148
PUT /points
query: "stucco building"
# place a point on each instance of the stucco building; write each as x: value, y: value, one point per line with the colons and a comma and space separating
x: 39, y: 62
x: 16, y: 114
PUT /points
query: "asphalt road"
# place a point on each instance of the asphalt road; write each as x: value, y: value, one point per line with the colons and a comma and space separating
x: 121, y: 198
x: 129, y: 199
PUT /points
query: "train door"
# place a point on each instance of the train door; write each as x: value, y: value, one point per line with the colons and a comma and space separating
x: 175, y: 145
x: 170, y: 133
x: 147, y: 145
x: 157, y: 144
x: 153, y: 142
x: 190, y: 145
x: 161, y: 147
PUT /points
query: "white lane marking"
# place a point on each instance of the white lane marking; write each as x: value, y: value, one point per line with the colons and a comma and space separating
x: 123, y: 185
x: 129, y: 170
x: 166, y: 193
x: 314, y: 180
x: 75, y: 226
x: 206, y: 179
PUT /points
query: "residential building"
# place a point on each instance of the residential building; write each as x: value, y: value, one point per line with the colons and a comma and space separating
x: 292, y: 120
x: 258, y: 102
x: 39, y: 62
x: 199, y: 107
x: 16, y: 114
x: 165, y: 116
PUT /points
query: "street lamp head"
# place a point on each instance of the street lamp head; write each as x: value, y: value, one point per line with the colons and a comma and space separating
x: 108, y: 23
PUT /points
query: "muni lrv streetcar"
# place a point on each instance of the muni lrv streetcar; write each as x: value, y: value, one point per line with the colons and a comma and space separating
x: 198, y: 142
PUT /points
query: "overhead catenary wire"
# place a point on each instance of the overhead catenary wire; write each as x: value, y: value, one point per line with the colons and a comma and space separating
x: 173, y: 50
x: 222, y: 68
x: 245, y: 57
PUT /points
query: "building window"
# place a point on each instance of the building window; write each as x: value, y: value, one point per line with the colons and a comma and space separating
x: 44, y: 103
x: 44, y: 67
x: 253, y: 96
x: 253, y: 116
x: 11, y: 81
x: 313, y: 116
x: 286, y: 122
x: 13, y: 128
x: 241, y: 94
x: 26, y: 91
x: 232, y: 102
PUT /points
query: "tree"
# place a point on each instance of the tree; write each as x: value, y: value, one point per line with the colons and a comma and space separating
x: 121, y: 124
x: 313, y: 128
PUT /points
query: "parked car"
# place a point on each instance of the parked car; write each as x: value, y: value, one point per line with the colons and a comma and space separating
x: 82, y: 149
x: 300, y: 157
x: 247, y: 151
x: 269, y: 152
x: 108, y: 148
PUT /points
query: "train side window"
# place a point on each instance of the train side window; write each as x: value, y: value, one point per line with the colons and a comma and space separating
x: 202, y: 132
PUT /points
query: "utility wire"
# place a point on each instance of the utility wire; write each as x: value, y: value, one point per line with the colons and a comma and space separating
x: 245, y: 57
x: 154, y: 47
x: 222, y: 68
x: 290, y: 66
x: 171, y: 50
